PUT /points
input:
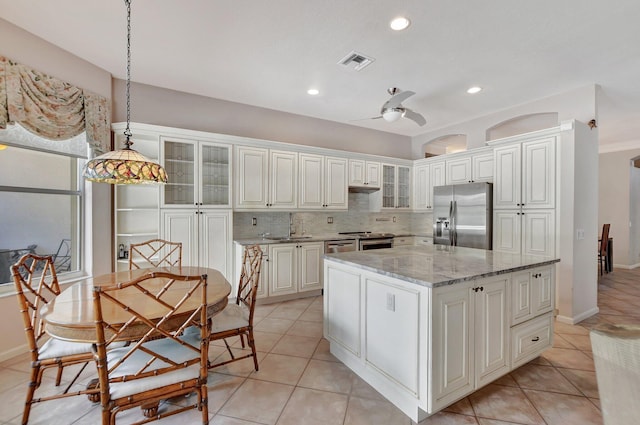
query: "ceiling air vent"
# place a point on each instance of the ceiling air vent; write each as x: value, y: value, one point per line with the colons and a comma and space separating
x: 358, y: 59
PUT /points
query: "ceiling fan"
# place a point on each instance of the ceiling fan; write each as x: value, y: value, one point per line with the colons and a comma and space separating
x: 392, y: 110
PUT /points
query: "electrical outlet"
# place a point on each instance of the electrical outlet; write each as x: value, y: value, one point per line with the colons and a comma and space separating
x: 330, y: 220
x: 579, y: 234
x: 391, y: 302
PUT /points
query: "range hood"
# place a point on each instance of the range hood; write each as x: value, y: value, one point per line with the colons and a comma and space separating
x: 363, y: 189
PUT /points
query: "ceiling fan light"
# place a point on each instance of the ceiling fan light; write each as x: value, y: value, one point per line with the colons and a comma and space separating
x: 393, y: 114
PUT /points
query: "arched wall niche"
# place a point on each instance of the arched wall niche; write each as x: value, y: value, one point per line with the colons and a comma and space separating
x: 522, y: 124
x: 449, y: 143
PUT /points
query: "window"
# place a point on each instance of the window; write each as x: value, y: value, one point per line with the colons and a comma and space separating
x: 40, y: 208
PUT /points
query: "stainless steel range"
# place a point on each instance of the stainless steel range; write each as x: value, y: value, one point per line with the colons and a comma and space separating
x: 371, y: 240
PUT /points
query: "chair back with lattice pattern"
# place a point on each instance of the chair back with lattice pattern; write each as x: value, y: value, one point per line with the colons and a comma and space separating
x: 249, y: 278
x: 152, y: 368
x: 155, y: 253
x: 36, y: 285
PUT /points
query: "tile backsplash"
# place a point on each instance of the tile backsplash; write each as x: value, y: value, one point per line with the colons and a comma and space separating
x: 356, y: 218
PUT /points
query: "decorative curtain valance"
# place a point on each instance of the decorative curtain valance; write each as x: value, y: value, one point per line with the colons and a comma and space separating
x: 52, y: 108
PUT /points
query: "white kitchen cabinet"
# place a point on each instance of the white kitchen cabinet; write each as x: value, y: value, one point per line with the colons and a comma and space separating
x: 323, y: 182
x: 403, y: 241
x: 365, y: 174
x: 470, y: 338
x: 482, y: 167
x: 393, y: 321
x: 198, y: 173
x: 205, y: 236
x: 458, y: 170
x: 456, y: 338
x: 295, y: 267
x: 452, y: 367
x: 426, y: 175
x: 531, y: 294
x: 421, y: 193
x: 473, y: 166
x: 396, y: 186
x: 525, y: 175
x: 530, y: 232
x: 265, y: 178
x: 531, y: 338
x: 524, y: 197
x: 423, y: 240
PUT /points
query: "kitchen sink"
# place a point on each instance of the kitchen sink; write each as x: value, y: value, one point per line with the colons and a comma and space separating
x: 287, y: 238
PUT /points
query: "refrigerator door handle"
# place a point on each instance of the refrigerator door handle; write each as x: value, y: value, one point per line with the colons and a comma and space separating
x: 451, y: 224
x: 454, y: 226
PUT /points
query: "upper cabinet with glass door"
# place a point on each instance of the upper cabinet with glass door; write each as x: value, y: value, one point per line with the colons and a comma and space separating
x: 198, y: 171
x: 396, y: 186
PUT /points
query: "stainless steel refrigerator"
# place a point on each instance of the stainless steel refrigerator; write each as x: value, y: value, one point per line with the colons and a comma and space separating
x: 462, y: 215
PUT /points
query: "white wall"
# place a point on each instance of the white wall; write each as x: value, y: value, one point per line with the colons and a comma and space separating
x: 577, y: 171
x: 615, y: 195
x: 579, y: 104
x: 39, y: 54
x: 155, y: 105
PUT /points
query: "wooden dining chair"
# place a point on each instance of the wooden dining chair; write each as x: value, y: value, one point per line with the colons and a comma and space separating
x: 149, y: 369
x: 237, y: 318
x: 603, y: 255
x: 155, y: 253
x: 37, y: 285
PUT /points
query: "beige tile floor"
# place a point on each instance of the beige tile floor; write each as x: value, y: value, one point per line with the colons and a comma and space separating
x: 301, y: 383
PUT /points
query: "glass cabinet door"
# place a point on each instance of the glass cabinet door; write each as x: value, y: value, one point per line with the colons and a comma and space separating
x: 179, y: 162
x: 388, y: 186
x: 214, y: 175
x: 404, y: 188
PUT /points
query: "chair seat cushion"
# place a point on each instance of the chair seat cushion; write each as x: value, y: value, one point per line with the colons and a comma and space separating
x: 167, y: 348
x: 233, y: 316
x: 57, y: 348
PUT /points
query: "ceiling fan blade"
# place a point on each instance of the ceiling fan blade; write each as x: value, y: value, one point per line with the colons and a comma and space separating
x: 397, y: 99
x: 414, y: 116
x: 370, y: 118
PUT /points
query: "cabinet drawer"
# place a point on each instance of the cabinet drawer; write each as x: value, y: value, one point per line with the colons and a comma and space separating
x: 530, y: 338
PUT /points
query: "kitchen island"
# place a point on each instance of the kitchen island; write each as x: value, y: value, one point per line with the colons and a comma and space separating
x: 428, y: 325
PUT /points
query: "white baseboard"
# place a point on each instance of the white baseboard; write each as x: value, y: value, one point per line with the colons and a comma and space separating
x: 15, y: 351
x: 579, y: 318
x: 626, y: 266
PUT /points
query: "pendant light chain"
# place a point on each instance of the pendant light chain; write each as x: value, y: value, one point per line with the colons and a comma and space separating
x: 125, y: 166
x: 127, y: 131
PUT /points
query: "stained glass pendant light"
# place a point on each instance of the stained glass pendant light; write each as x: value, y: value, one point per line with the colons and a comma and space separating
x: 125, y: 166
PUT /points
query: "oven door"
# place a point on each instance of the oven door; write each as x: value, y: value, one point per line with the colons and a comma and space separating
x: 366, y: 244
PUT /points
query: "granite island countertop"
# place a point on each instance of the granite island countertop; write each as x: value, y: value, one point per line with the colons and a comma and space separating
x: 315, y: 237
x: 438, y: 265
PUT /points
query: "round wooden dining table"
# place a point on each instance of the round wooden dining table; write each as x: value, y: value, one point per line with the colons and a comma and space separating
x: 70, y: 316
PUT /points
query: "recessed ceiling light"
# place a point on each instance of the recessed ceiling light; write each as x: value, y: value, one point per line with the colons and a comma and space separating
x: 399, y: 23
x: 474, y: 90
x: 313, y: 92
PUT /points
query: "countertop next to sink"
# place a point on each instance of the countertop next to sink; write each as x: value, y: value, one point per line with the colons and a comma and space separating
x: 438, y: 265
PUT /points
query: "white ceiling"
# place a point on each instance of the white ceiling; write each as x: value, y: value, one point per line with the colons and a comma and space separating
x: 268, y: 53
